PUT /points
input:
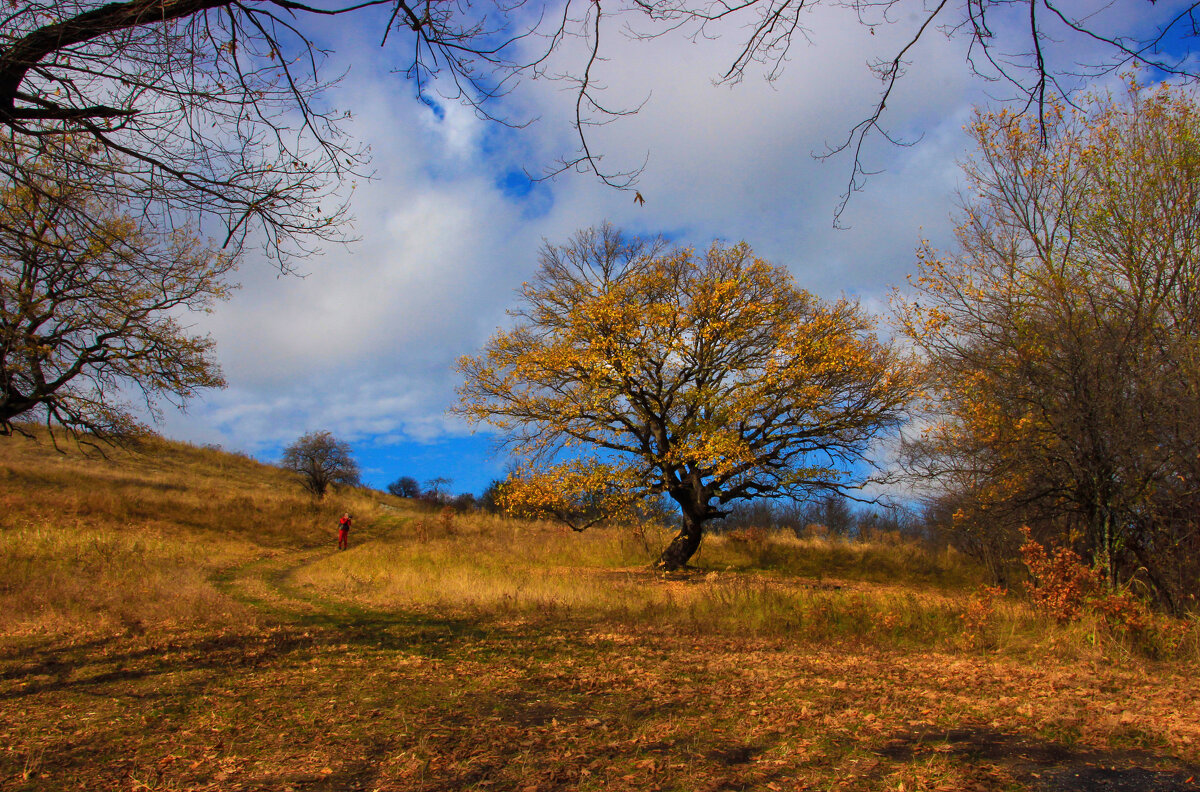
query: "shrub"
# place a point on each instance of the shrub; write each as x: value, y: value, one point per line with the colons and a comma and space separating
x: 1063, y: 587
x: 1060, y: 584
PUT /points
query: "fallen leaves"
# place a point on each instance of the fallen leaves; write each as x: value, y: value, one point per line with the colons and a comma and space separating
x: 552, y: 706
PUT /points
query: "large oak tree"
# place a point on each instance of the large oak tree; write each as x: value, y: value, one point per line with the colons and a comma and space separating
x: 710, y: 377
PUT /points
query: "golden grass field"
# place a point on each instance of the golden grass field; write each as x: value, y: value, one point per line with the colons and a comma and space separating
x: 178, y: 618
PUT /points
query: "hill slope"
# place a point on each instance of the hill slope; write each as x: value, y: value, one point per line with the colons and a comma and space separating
x: 135, y: 536
x: 178, y: 618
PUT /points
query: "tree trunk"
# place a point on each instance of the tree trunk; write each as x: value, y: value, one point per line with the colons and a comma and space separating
x: 682, y: 547
x: 1164, y: 591
x: 1104, y: 542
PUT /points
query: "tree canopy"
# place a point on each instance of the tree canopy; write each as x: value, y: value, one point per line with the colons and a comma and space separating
x: 405, y: 487
x: 218, y: 111
x: 708, y: 377
x: 1062, y: 336
x: 91, y: 301
x: 321, y: 461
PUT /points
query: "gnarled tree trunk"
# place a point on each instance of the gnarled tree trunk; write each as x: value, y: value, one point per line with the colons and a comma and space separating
x: 682, y: 547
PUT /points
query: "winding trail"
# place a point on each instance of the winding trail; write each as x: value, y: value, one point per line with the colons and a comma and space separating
x: 268, y: 586
x: 265, y: 585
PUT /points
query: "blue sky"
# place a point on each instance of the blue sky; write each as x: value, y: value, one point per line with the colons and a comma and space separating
x: 364, y: 344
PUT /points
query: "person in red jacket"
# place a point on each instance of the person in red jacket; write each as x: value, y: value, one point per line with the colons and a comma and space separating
x: 344, y: 531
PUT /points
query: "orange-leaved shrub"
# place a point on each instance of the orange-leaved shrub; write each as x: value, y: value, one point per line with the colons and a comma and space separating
x: 979, y: 617
x: 1063, y: 587
x: 755, y: 535
x: 1060, y: 584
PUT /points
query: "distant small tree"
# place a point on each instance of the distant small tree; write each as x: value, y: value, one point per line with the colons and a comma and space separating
x: 437, y: 490
x: 464, y: 502
x: 759, y: 514
x: 834, y: 513
x: 321, y: 460
x: 791, y: 516
x: 405, y: 487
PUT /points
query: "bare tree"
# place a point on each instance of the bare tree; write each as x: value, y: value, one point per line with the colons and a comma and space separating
x: 437, y: 490
x: 89, y: 303
x: 321, y: 460
x: 198, y: 111
x: 217, y: 110
x: 220, y: 105
x: 1028, y: 49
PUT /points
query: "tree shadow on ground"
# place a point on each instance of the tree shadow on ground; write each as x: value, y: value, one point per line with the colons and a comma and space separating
x: 1046, y: 766
x: 98, y: 662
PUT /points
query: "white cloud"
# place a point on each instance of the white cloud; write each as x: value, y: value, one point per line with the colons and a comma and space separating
x: 365, y: 344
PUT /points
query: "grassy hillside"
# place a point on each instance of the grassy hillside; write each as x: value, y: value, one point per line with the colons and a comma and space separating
x: 178, y: 618
x: 135, y: 537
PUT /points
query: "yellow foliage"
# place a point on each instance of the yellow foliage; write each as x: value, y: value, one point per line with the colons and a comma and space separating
x: 707, y: 376
x: 579, y: 494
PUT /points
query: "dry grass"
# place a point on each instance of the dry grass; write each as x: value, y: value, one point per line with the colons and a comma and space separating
x: 135, y: 537
x: 490, y: 567
x: 889, y: 593
x: 177, y: 618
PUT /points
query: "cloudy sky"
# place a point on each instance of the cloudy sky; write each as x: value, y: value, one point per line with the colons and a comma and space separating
x: 364, y: 344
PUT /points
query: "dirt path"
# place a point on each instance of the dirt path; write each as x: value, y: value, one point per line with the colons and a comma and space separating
x: 264, y: 585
